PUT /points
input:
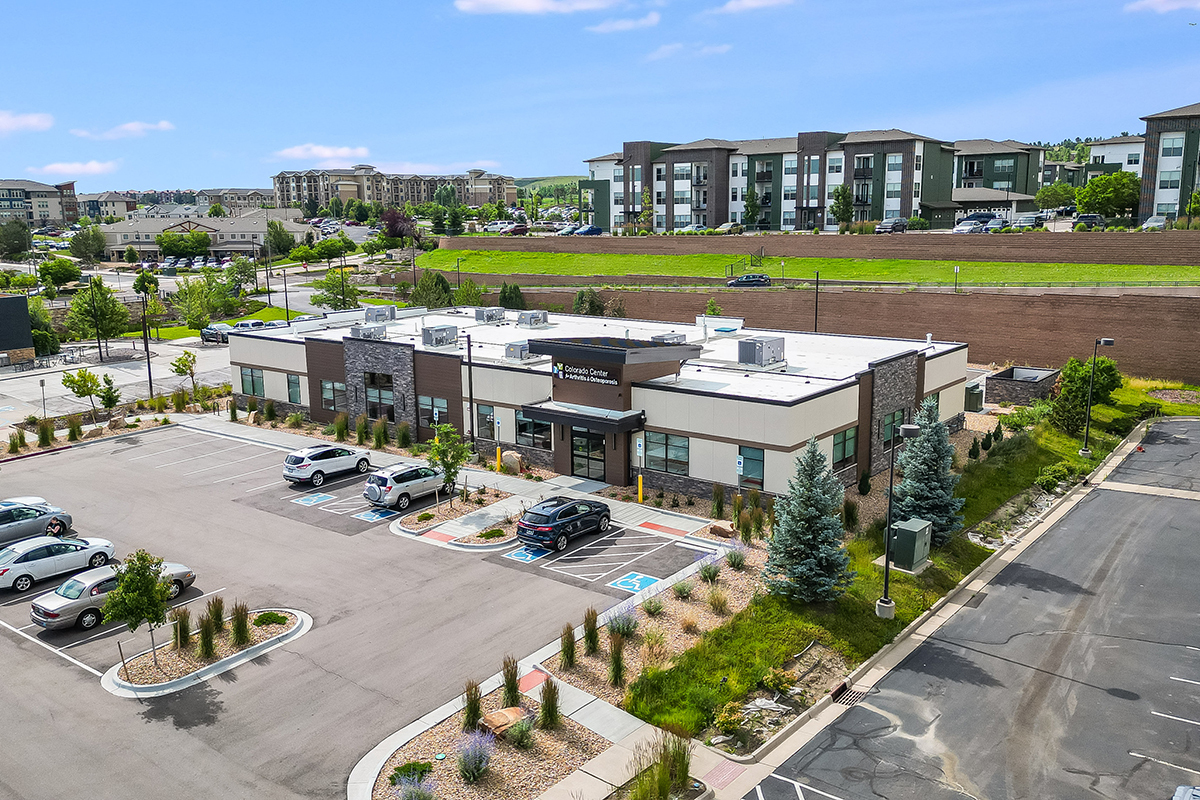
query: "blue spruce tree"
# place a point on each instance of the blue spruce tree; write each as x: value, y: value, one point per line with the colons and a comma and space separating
x: 927, y: 491
x: 805, y: 559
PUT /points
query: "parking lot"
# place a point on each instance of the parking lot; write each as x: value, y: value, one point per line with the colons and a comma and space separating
x: 399, y: 625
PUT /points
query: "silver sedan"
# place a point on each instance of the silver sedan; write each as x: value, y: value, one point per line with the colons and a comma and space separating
x: 22, y: 517
x: 80, y: 601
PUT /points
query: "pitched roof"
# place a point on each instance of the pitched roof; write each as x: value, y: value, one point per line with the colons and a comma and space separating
x: 609, y: 157
x: 704, y: 144
x: 29, y: 186
x: 979, y: 147
x: 754, y: 147
x: 889, y: 135
x: 235, y: 191
x: 981, y: 195
x: 1120, y: 140
x: 1183, y: 111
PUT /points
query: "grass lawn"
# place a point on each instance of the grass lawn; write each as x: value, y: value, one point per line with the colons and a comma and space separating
x: 713, y: 266
x: 182, y: 331
x: 379, y: 301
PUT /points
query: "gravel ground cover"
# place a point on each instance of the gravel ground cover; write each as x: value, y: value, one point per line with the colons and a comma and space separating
x: 173, y: 663
x: 509, y: 529
x: 60, y: 436
x: 512, y: 774
x: 444, y: 511
x: 1176, y: 395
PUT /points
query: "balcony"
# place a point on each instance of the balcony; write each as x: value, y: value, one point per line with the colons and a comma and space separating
x: 699, y: 180
x: 862, y: 199
x: 763, y: 177
x: 766, y: 201
x: 864, y: 173
x: 973, y: 173
x: 698, y: 204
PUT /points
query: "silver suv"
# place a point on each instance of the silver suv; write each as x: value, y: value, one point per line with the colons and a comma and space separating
x: 80, y: 601
x: 398, y: 485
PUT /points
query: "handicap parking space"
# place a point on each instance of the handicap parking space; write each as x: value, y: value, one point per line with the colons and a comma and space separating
x: 619, y: 563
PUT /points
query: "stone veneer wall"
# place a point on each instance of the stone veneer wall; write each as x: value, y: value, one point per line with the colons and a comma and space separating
x: 393, y: 358
x: 894, y: 387
x: 20, y: 354
x: 1022, y: 393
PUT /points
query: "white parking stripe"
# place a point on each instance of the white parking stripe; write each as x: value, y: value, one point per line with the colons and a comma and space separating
x: 1184, y: 680
x: 264, y: 486
x: 1164, y: 763
x: 201, y: 597
x: 169, y: 450
x: 201, y: 455
x: 54, y: 650
x: 244, y: 474
x: 1177, y: 719
x: 227, y: 463
x: 802, y: 788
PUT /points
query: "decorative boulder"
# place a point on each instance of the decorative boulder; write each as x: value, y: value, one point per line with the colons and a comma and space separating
x: 256, y: 418
x: 512, y: 460
x: 723, y: 529
x: 498, y: 722
x: 94, y: 433
x: 116, y: 423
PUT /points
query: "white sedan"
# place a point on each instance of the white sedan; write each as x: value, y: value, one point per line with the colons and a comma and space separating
x: 23, y: 563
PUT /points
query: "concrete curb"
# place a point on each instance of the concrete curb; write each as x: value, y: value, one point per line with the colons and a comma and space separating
x: 115, y: 686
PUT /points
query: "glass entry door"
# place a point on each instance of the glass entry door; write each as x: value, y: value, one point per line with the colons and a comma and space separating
x: 587, y: 454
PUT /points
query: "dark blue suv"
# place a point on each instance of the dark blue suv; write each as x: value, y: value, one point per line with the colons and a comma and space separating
x: 552, y: 522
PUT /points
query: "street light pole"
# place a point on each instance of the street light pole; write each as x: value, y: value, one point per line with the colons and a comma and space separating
x: 146, y: 342
x: 885, y: 607
x: 96, y: 316
x: 1085, y: 452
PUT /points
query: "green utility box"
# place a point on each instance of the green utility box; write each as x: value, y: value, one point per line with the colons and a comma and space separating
x: 974, y: 402
x: 910, y: 544
x: 168, y: 271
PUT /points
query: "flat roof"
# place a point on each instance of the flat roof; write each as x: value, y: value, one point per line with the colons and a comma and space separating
x: 814, y: 362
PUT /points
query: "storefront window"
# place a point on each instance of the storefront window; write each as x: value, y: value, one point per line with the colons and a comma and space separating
x: 379, y: 396
x: 891, y: 426
x: 485, y: 423
x: 752, y: 468
x: 532, y: 433
x: 252, y: 382
x: 426, y: 406
x: 667, y: 453
x: 845, y: 448
x: 333, y: 396
x: 293, y: 388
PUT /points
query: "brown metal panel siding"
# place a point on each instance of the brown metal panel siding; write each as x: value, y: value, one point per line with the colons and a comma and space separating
x: 866, y: 392
x: 561, y: 437
x: 594, y: 394
x: 326, y: 362
x: 920, y: 380
x: 616, y: 459
x: 440, y: 375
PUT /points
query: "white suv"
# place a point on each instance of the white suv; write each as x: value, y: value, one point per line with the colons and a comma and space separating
x: 397, y: 486
x: 315, y: 464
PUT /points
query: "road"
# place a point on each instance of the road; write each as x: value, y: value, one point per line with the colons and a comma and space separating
x: 1075, y: 674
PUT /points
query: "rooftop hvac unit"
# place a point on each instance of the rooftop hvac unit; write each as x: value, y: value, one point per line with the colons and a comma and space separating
x: 517, y: 351
x: 489, y: 314
x: 368, y: 331
x: 760, y: 351
x: 669, y: 338
x: 380, y: 313
x: 532, y: 319
x: 439, y: 336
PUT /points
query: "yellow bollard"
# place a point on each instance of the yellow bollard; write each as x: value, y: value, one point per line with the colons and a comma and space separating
x: 497, y: 458
x: 640, y: 499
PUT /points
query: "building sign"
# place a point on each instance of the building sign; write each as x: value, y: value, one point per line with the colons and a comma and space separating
x: 585, y: 374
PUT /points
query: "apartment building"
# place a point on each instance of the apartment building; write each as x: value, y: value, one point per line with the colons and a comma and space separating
x: 684, y: 405
x: 235, y: 200
x: 1007, y: 166
x: 38, y: 203
x: 1120, y: 153
x: 1170, y: 162
x: 106, y: 204
x: 1067, y: 172
x: 364, y: 182
x: 892, y: 173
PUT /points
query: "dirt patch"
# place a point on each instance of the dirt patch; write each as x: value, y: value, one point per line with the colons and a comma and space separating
x: 173, y: 663
x: 1188, y: 396
x: 512, y: 774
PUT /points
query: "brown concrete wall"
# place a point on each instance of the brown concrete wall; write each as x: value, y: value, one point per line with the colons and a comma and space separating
x: 1156, y: 335
x: 1168, y: 247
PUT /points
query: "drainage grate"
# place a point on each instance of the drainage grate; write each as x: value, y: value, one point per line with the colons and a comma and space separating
x: 851, y: 697
x: 975, y: 600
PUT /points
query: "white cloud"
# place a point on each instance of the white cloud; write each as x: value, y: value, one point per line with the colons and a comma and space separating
x: 618, y: 25
x: 1162, y: 6
x: 422, y: 168
x: 310, y: 151
x: 666, y: 51
x: 13, y: 123
x: 128, y: 130
x: 689, y: 51
x: 72, y: 168
x: 531, y: 6
x: 738, y: 6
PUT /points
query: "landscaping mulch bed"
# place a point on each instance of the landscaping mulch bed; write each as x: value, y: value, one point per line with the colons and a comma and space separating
x: 1188, y: 396
x: 510, y: 533
x: 590, y: 673
x: 513, y: 774
x: 173, y: 663
x: 60, y: 435
x: 444, y: 512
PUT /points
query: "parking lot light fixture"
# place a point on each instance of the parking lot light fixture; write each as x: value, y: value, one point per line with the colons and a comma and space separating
x: 1085, y: 451
x: 885, y: 607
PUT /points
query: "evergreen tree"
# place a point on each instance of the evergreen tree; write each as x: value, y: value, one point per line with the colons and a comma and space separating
x: 1069, y: 412
x: 432, y: 291
x: 987, y: 441
x: 998, y: 433
x: 454, y: 222
x: 588, y: 302
x: 864, y: 483
x: 927, y: 491
x: 973, y: 453
x: 805, y: 557
x: 438, y: 220
x: 511, y: 297
x: 469, y: 294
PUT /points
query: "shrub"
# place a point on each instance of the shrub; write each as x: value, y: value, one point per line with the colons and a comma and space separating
x: 179, y: 400
x: 736, y: 559
x: 14, y: 443
x: 1148, y: 409
x: 239, y: 624
x: 616, y: 659
x: 549, y: 715
x: 973, y: 453
x: 779, y: 680
x: 294, y: 420
x: 520, y: 735
x: 918, y: 224
x: 718, y: 502
x: 360, y: 429
x: 625, y: 623
x: 166, y: 420
x: 341, y: 427
x: 850, y: 514
x: 689, y: 622
x: 566, y: 646
x: 403, y: 435
x: 233, y: 411
x: 379, y: 434
x: 74, y: 428
x: 216, y: 611
x: 718, y: 601
x: 269, y: 410
x: 682, y: 590
x: 410, y: 770
x: 409, y: 789
x: 252, y: 405
x: 45, y: 430
x: 269, y: 618
x: 494, y: 533
x: 1081, y: 227
x: 654, y: 648
x: 472, y: 706
x: 986, y: 444
x: 159, y: 404
x: 591, y: 632
x: 739, y: 503
x: 864, y: 483
x: 710, y: 572
x: 181, y: 627
x: 208, y: 633
x: 1049, y: 478
x: 754, y: 498
x: 32, y: 419
x: 474, y: 755
x: 653, y: 606
x: 512, y: 682
x: 424, y: 516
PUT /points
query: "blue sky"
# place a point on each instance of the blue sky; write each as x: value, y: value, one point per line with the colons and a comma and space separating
x: 139, y: 95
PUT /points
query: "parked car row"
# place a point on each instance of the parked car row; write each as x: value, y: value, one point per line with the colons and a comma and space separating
x: 219, y: 331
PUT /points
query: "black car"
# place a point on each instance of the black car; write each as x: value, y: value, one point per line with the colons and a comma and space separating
x: 1092, y: 221
x: 217, y: 332
x: 552, y: 522
x: 751, y: 279
x: 892, y: 225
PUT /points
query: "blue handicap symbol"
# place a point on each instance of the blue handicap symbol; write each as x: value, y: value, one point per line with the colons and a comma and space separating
x: 376, y: 515
x: 634, y: 582
x: 313, y: 499
x: 526, y: 555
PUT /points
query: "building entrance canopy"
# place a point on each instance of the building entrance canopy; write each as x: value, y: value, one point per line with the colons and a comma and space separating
x: 601, y: 420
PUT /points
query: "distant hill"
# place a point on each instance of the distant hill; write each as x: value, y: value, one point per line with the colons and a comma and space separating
x: 526, y: 183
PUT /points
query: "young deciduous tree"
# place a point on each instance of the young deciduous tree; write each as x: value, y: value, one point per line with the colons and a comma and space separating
x: 131, y: 256
x: 927, y: 491
x: 805, y: 558
x: 1109, y: 195
x: 191, y: 301
x: 310, y: 207
x: 712, y: 309
x: 88, y: 244
x: 59, y: 271
x: 335, y: 291
x: 1055, y: 195
x: 141, y: 595
x: 15, y: 237
x: 185, y: 367
x: 280, y: 240
x: 336, y: 208
x: 843, y: 204
x: 146, y: 283
x: 95, y: 311
x: 85, y: 385
x: 448, y: 452
x: 753, y: 208
x: 216, y: 210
